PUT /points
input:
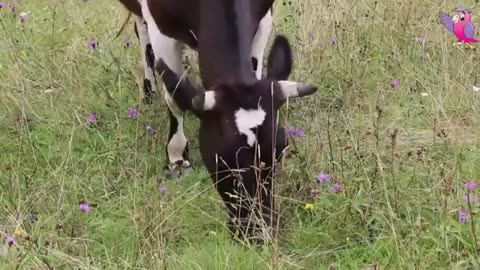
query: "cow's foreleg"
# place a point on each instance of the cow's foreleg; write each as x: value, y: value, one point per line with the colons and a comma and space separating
x: 148, y: 59
x: 260, y: 43
x: 170, y: 51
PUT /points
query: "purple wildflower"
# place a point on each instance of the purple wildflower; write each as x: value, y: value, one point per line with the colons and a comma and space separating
x: 295, y: 132
x: 336, y: 187
x: 23, y: 17
x: 473, y: 199
x: 462, y: 216
x: 128, y: 43
x: 314, y: 192
x: 84, y: 207
x: 148, y: 128
x: 2, y: 4
x: 10, y: 240
x: 332, y: 41
x: 395, y: 84
x: 470, y: 185
x: 13, y: 7
x: 91, y: 117
x: 61, y: 226
x: 322, y: 177
x: 132, y: 112
x: 92, y: 44
x: 419, y: 39
x: 164, y: 190
x: 309, y: 34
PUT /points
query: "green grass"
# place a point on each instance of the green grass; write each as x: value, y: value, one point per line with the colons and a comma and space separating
x: 398, y: 208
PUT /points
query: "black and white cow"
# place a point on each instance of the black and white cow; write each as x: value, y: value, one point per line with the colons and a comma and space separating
x: 240, y: 140
x: 163, y: 27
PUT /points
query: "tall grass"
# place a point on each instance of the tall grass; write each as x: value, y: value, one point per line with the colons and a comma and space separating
x: 402, y: 154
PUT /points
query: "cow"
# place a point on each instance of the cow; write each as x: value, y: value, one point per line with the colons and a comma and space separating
x: 240, y: 141
x: 163, y: 27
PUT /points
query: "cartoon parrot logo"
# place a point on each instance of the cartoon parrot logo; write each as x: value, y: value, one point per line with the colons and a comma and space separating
x: 460, y: 25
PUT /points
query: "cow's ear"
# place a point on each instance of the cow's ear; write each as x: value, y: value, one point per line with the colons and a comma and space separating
x: 279, y: 63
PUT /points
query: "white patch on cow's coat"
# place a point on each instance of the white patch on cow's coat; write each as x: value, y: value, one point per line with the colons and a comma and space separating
x: 260, y: 41
x: 144, y: 39
x: 248, y: 119
x: 170, y: 51
x: 209, y: 100
x: 177, y: 144
x: 289, y: 88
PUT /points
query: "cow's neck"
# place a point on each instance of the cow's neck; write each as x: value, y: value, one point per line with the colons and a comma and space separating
x: 224, y: 42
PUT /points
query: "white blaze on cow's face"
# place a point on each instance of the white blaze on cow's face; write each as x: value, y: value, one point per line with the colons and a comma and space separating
x: 245, y: 120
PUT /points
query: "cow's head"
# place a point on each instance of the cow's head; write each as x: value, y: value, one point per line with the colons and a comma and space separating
x: 252, y: 106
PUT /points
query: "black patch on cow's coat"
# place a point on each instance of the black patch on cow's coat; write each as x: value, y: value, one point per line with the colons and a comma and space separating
x: 255, y: 63
x: 173, y: 125
x: 186, y: 153
x: 232, y: 24
x: 147, y: 91
x: 135, y: 28
x: 150, y: 56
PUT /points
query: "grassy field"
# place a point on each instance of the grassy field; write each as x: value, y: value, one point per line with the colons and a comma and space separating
x: 401, y: 152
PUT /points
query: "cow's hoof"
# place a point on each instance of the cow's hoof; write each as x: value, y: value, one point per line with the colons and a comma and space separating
x: 170, y: 174
x: 173, y: 171
x: 184, y: 166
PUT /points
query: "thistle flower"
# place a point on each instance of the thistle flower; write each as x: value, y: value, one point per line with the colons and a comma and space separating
x: 2, y: 4
x: 91, y: 117
x: 419, y: 39
x: 462, y: 216
x: 473, y: 199
x: 92, y: 44
x: 132, y: 112
x: 332, y: 41
x: 322, y: 177
x: 128, y: 43
x: 295, y: 132
x: 10, y: 240
x: 23, y: 17
x: 336, y: 187
x: 148, y: 128
x: 84, y: 207
x: 13, y: 7
x: 470, y: 185
x: 395, y: 84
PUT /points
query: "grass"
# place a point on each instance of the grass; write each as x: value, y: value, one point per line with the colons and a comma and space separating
x: 402, y: 154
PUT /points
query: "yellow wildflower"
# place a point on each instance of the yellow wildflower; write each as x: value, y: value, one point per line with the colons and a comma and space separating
x: 18, y: 231
x: 309, y: 206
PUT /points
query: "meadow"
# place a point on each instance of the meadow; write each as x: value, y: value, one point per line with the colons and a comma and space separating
x: 381, y: 176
